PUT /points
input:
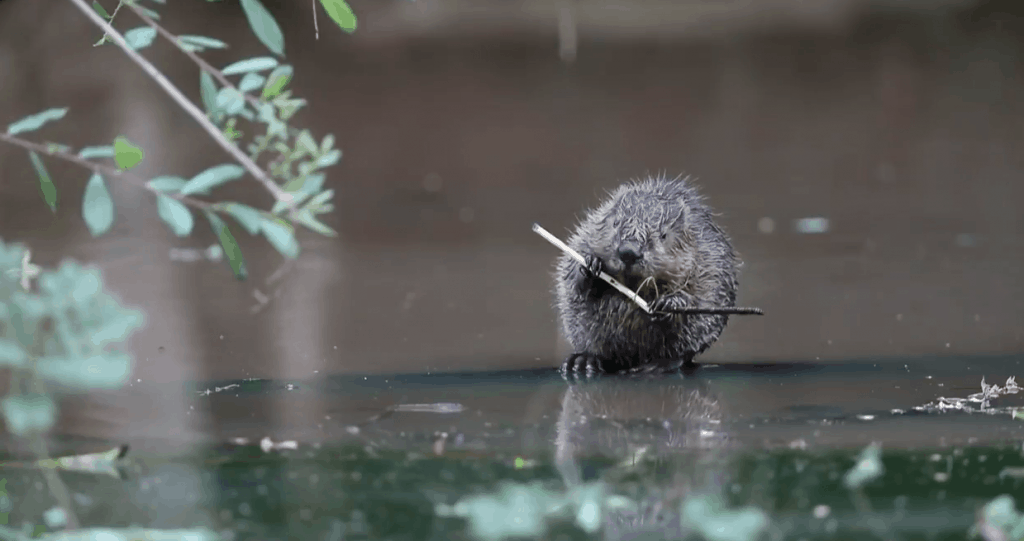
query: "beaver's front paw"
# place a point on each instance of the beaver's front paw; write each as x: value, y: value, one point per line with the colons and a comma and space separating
x: 585, y: 276
x: 594, y: 266
x: 666, y: 306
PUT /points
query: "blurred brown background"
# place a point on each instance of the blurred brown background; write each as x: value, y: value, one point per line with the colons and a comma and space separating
x: 464, y: 122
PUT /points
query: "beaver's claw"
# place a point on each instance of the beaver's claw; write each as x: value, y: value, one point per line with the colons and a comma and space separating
x: 582, y: 364
x: 593, y: 266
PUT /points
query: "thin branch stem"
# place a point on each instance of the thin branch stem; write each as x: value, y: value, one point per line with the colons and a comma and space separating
x: 180, y: 98
x: 203, y: 64
x: 208, y: 68
x: 108, y: 170
x: 316, y: 26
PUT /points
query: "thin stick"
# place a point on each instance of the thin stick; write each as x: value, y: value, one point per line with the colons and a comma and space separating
x: 721, y: 310
x: 316, y: 26
x: 629, y: 293
x: 725, y: 310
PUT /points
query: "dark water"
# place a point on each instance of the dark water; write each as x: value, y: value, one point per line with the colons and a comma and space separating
x: 761, y: 405
x: 378, y: 457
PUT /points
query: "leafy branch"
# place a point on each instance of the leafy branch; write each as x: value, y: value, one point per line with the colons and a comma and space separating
x: 292, y: 158
x: 60, y: 328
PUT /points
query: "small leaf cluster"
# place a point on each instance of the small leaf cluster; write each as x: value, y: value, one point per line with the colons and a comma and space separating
x: 64, y: 333
x: 293, y: 157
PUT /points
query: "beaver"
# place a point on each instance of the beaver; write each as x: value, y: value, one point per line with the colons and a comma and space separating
x: 658, y: 237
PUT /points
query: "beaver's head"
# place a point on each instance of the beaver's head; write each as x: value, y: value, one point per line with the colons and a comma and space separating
x: 644, y: 237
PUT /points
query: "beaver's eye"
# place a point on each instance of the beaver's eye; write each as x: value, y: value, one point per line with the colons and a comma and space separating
x: 664, y: 236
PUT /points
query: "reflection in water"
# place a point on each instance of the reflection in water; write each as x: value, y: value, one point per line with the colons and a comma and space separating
x: 649, y: 418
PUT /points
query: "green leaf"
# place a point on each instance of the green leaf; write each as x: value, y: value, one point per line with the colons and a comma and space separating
x: 230, y: 101
x: 176, y: 215
x: 103, y: 151
x: 141, y: 37
x: 274, y: 126
x: 251, y: 82
x: 108, y: 370
x: 298, y: 196
x: 229, y: 244
x: 259, y: 63
x: 97, y: 206
x: 116, y: 328
x: 708, y: 516
x: 99, y: 9
x: 277, y: 80
x: 208, y: 91
x: 126, y: 155
x: 313, y: 183
x: 328, y: 159
x: 36, y: 121
x: 306, y: 143
x: 327, y: 143
x: 264, y: 26
x: 341, y: 13
x: 45, y: 182
x: 166, y: 183
x: 212, y: 177
x: 28, y: 413
x: 868, y: 467
x: 11, y: 353
x: 306, y: 218
x: 201, y: 42
x: 247, y: 216
x: 281, y: 236
x: 230, y: 131
x: 300, y: 188
x: 320, y: 199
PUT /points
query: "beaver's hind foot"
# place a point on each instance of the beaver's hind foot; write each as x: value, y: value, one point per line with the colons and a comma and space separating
x: 583, y: 364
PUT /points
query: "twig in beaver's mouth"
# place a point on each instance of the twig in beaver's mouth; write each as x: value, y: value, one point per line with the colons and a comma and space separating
x: 629, y: 293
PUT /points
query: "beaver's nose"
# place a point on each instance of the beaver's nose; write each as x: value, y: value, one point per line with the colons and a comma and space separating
x: 629, y: 253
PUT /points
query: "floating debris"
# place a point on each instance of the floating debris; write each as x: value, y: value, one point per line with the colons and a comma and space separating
x: 977, y: 402
x: 104, y: 463
x: 267, y: 445
x: 228, y: 387
x: 437, y: 407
